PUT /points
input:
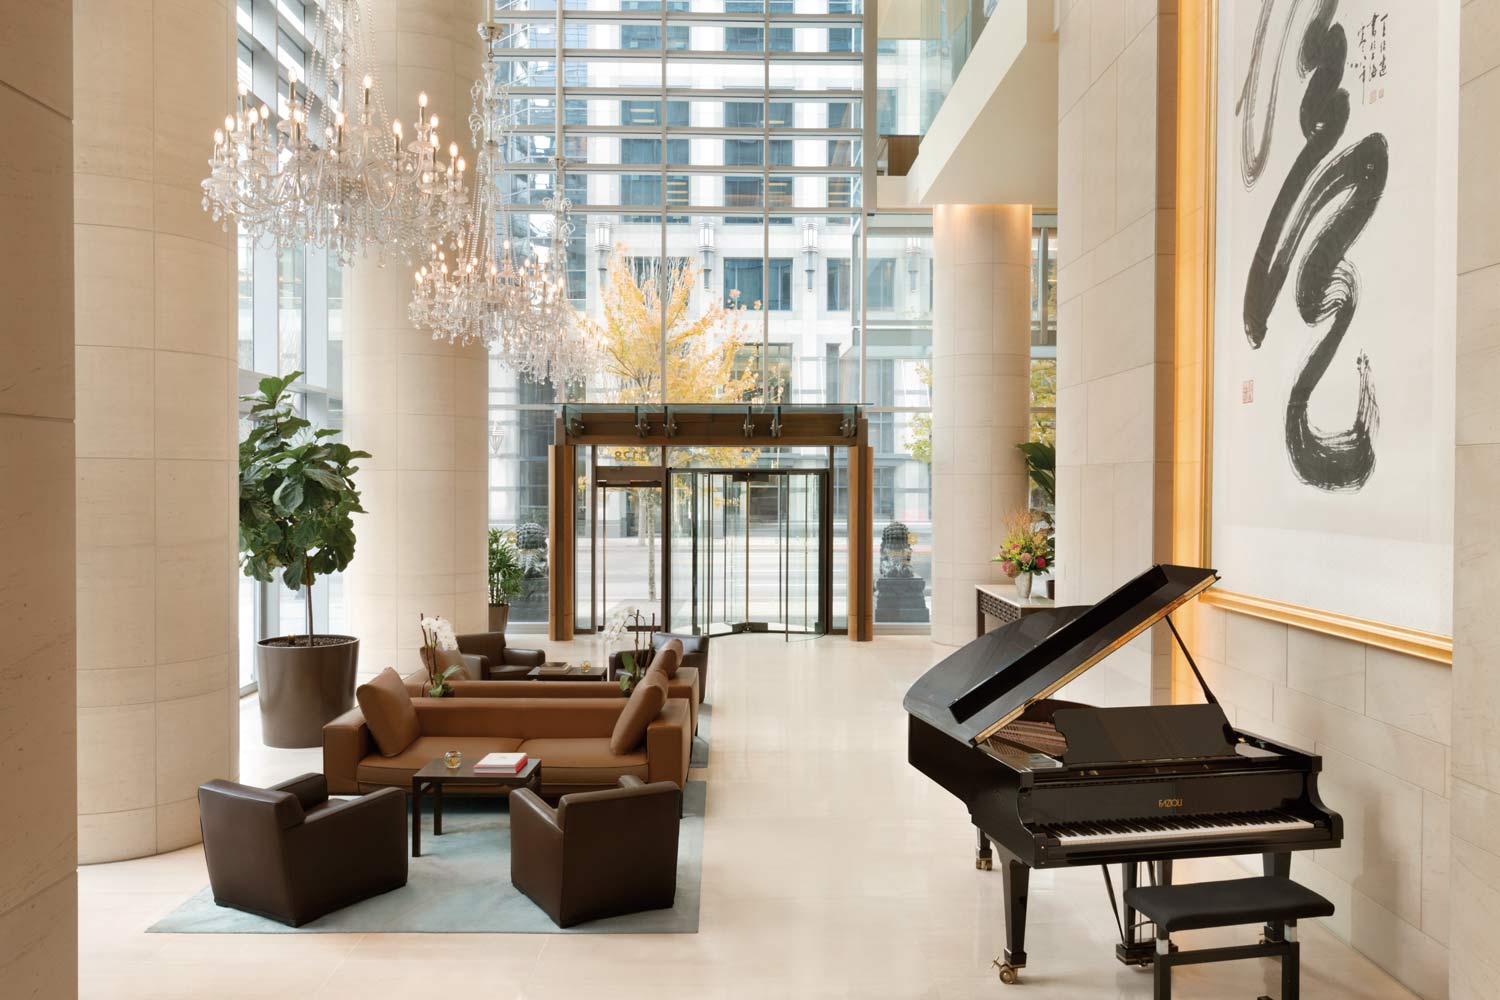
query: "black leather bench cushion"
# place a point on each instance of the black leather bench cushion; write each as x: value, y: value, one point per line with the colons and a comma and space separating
x: 1223, y: 904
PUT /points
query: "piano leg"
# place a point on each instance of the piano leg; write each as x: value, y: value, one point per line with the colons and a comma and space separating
x: 1017, y: 877
x: 984, y: 858
x: 1276, y: 864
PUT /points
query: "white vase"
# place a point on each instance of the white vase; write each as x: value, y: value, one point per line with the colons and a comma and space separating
x: 1023, y: 586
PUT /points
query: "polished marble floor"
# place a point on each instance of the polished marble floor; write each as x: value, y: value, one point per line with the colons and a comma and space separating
x: 830, y: 869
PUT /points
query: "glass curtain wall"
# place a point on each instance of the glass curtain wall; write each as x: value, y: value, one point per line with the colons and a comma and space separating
x: 713, y: 150
x: 290, y: 316
x: 1043, y: 424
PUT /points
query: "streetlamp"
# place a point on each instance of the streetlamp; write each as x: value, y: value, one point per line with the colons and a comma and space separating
x: 603, y: 245
x: 706, y: 250
x: 810, y: 250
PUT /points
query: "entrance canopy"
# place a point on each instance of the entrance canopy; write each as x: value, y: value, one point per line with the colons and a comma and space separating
x: 668, y: 433
x: 705, y: 425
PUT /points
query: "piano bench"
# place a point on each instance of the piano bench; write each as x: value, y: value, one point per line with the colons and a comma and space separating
x: 1277, y: 902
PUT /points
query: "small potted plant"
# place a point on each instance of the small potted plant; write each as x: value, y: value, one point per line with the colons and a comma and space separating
x: 297, y: 501
x: 505, y: 574
x: 1025, y: 550
x: 633, y: 661
x: 438, y: 638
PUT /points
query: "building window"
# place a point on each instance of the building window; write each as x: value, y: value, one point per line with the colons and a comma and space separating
x: 637, y: 152
x: 886, y: 103
x: 837, y: 294
x: 778, y: 374
x: 751, y: 114
x: 742, y: 192
x: 742, y: 152
x: 880, y: 284
x: 649, y: 113
x: 743, y: 285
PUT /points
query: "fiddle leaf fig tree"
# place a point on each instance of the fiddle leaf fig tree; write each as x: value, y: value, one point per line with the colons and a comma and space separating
x: 297, y: 495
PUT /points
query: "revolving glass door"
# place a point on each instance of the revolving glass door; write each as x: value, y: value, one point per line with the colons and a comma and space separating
x: 749, y: 551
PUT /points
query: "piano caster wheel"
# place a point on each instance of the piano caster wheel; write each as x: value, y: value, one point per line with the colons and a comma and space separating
x: 984, y: 864
x: 1009, y: 974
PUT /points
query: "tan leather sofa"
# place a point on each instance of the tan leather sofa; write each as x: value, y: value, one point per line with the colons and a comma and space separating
x: 685, y: 686
x: 570, y: 735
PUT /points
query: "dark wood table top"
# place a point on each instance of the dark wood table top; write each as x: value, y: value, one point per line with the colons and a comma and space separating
x: 463, y: 774
x: 575, y: 672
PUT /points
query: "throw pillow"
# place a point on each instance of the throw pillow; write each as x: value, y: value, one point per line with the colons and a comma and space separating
x: 669, y: 656
x: 450, y: 658
x: 388, y: 712
x: 645, y: 704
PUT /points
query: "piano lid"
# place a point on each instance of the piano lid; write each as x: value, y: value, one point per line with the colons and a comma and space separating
x: 992, y: 680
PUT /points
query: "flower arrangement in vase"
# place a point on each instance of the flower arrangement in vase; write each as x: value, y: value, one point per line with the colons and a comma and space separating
x: 1025, y: 549
x: 438, y: 637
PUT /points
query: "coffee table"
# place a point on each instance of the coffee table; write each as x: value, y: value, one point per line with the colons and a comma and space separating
x: 574, y: 672
x: 436, y: 774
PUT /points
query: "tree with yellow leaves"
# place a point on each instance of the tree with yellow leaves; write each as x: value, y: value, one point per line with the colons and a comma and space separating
x: 638, y: 311
x: 700, y: 348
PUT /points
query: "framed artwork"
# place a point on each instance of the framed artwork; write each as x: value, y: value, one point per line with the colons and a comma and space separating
x: 1329, y: 396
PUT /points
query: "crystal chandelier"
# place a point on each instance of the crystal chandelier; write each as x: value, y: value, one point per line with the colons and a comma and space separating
x: 477, y: 286
x: 328, y: 175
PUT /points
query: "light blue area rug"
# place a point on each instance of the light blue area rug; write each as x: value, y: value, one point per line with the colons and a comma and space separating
x: 461, y: 884
x: 699, y: 756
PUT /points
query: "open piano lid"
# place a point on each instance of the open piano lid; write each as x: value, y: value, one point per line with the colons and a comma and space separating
x: 989, y: 682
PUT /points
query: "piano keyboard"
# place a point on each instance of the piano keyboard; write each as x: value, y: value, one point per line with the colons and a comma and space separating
x: 1170, y: 828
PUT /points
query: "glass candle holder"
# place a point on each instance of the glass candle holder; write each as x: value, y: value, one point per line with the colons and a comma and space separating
x: 452, y: 758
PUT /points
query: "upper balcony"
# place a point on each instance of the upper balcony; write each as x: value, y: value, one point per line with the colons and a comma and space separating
x: 966, y: 102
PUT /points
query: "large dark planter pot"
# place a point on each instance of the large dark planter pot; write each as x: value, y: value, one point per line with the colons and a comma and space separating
x: 303, y: 687
x: 499, y: 617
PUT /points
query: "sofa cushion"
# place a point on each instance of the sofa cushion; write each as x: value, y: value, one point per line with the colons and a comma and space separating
x: 396, y: 771
x: 576, y: 762
x: 668, y: 658
x: 645, y: 704
x: 521, y: 718
x: 388, y: 712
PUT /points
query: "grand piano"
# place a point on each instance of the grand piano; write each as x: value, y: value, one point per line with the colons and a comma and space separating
x: 1052, y: 783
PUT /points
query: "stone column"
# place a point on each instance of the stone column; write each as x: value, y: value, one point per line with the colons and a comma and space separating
x: 1474, y: 844
x: 981, y: 364
x: 418, y: 406
x: 156, y: 382
x: 38, y: 834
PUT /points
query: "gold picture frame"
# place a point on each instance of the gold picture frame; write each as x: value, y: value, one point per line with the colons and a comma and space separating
x: 1197, y: 131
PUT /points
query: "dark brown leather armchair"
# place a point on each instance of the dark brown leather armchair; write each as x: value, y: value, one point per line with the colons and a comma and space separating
x: 287, y: 853
x: 499, y: 661
x: 598, y: 854
x: 694, y: 654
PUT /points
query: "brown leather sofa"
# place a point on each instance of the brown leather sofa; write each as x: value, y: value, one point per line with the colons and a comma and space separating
x: 598, y: 854
x: 684, y: 686
x: 694, y: 655
x: 694, y: 658
x: 498, y: 660
x: 287, y: 853
x: 570, y: 736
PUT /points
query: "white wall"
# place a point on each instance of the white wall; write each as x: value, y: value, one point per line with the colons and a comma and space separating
x: 1115, y: 190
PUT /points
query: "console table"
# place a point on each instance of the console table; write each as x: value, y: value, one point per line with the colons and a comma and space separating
x: 1000, y: 600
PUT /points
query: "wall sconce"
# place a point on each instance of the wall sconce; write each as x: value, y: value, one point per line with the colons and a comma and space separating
x: 603, y: 246
x: 706, y: 250
x: 913, y: 261
x: 810, y: 250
